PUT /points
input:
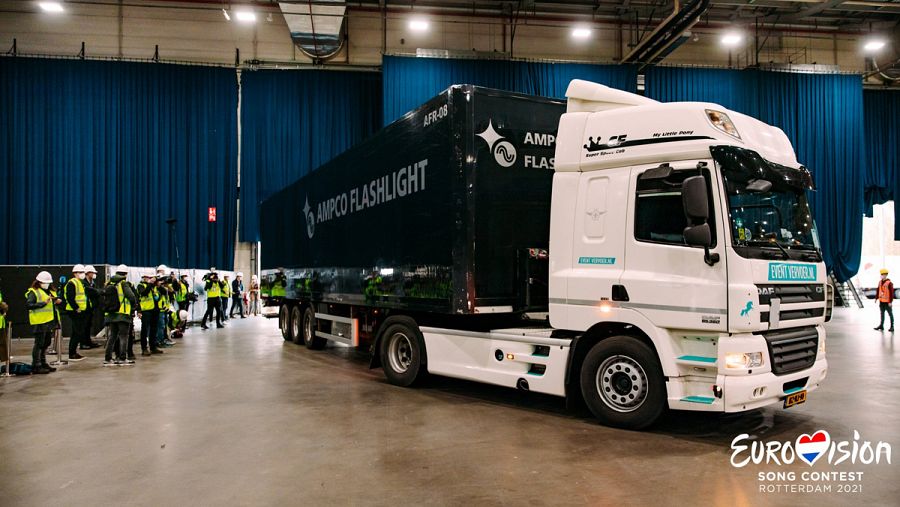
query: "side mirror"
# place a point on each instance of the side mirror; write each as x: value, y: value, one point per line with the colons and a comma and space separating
x: 694, y: 198
x: 698, y: 235
x: 696, y: 206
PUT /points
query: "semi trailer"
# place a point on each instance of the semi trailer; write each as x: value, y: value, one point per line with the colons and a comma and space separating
x: 634, y: 255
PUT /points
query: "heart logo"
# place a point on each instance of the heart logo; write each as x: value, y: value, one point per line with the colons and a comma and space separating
x: 810, y: 448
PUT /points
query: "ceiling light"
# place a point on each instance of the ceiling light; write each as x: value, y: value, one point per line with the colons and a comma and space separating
x: 225, y: 13
x: 581, y: 33
x: 418, y: 25
x: 245, y: 16
x: 51, y: 6
x: 732, y: 39
x: 874, y: 45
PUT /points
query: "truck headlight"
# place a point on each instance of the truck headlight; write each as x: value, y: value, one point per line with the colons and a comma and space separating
x: 743, y: 360
x: 722, y: 122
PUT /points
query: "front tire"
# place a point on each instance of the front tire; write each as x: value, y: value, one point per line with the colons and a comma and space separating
x: 402, y: 350
x: 308, y: 327
x: 623, y: 384
x: 284, y: 322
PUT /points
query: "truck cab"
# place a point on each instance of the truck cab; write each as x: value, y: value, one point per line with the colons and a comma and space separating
x: 682, y: 232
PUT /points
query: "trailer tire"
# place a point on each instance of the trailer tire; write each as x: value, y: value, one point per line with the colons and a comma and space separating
x: 623, y: 384
x: 308, y: 330
x: 402, y: 350
x: 284, y: 322
x: 296, y: 329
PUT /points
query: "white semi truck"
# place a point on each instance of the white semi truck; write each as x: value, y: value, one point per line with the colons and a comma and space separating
x: 676, y: 263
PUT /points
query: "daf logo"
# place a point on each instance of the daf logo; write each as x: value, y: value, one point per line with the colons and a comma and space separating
x: 820, y: 289
x: 766, y: 291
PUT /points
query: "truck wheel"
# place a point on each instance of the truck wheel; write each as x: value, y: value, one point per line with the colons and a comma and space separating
x: 402, y: 349
x: 623, y: 384
x: 296, y: 330
x: 284, y: 322
x: 312, y: 341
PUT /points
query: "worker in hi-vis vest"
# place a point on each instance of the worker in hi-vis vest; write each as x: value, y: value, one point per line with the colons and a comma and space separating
x: 77, y: 309
x: 885, y: 297
x: 41, y: 305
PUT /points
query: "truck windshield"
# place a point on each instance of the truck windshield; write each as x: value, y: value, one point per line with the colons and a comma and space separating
x: 767, y: 206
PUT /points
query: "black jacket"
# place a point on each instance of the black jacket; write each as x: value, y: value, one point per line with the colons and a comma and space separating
x: 237, y: 287
x: 129, y: 293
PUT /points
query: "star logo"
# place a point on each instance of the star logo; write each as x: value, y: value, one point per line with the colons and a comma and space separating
x: 490, y: 135
x: 504, y: 152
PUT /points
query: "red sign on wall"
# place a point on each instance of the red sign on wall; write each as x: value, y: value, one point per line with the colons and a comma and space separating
x: 211, y: 214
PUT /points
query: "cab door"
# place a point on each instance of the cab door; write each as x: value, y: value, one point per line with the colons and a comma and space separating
x: 667, y: 280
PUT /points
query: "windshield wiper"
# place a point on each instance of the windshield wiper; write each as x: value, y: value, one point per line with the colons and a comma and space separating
x: 783, y: 250
x: 770, y: 243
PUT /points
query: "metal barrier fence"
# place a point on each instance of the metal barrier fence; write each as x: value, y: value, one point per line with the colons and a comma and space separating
x: 8, y: 359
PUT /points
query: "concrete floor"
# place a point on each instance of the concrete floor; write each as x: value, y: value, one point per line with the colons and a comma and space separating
x: 239, y: 417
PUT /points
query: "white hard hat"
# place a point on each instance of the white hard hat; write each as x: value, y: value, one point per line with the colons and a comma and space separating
x: 161, y: 267
x: 121, y: 268
x: 182, y: 315
x: 240, y: 273
x: 78, y: 268
x: 146, y: 274
x: 44, y: 277
x: 90, y: 269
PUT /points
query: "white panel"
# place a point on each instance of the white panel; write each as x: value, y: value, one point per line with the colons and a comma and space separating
x: 472, y: 358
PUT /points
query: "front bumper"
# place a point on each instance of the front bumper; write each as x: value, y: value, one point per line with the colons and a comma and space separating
x: 754, y: 391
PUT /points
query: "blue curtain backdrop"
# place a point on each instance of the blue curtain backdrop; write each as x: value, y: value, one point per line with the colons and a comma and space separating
x: 409, y: 82
x: 294, y: 121
x: 822, y: 114
x: 96, y: 156
x: 882, y: 141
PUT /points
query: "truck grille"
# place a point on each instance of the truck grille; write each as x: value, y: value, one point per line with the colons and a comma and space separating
x: 809, y: 313
x: 792, y: 349
x: 791, y: 294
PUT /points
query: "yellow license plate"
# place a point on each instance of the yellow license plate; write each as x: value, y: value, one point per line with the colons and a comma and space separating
x: 795, y: 399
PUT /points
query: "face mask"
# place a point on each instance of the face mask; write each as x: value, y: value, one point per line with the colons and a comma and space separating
x: 45, y: 286
x: 80, y: 276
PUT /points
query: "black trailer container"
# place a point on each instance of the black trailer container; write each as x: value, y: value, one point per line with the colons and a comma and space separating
x: 446, y: 210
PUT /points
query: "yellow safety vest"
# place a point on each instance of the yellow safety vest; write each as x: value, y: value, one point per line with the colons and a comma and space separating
x: 148, y: 302
x: 80, y: 296
x: 214, y: 291
x: 181, y: 293
x: 41, y: 315
x: 2, y: 317
x: 162, y: 300
x: 124, y: 303
x: 226, y: 289
x: 278, y: 290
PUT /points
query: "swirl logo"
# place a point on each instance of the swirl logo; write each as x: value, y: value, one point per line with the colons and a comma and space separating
x: 310, y: 219
x: 505, y: 153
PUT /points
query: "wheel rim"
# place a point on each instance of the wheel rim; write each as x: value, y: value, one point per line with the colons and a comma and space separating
x: 400, y: 352
x: 295, y: 326
x: 622, y: 383
x: 308, y: 327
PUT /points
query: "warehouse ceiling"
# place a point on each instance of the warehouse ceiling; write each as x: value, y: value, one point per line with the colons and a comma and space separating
x: 811, y: 13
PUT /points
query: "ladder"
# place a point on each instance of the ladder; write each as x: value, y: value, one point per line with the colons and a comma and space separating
x: 844, y: 293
